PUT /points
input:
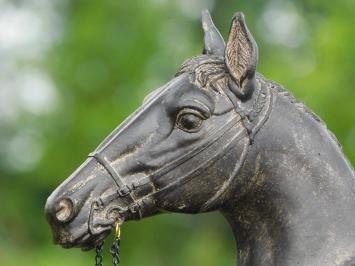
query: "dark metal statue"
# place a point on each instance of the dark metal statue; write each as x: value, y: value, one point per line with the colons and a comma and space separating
x: 219, y: 136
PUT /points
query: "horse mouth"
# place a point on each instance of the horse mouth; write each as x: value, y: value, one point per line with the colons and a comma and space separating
x: 85, y: 241
x: 83, y: 235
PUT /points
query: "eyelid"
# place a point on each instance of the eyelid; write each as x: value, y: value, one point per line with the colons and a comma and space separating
x: 198, y: 106
x: 191, y: 110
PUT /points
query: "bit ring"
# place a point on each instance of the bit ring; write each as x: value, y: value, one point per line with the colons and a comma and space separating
x: 117, y: 229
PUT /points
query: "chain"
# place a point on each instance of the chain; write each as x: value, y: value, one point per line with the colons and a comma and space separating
x: 98, y: 257
x: 115, y: 248
x: 115, y: 252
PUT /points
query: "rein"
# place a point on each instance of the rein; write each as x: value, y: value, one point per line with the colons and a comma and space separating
x: 252, y: 119
x: 115, y: 247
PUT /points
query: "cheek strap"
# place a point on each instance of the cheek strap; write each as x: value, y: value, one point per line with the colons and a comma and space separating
x: 218, y: 148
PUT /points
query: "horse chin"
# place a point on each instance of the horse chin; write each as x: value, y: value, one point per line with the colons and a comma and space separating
x: 85, y: 239
x: 92, y: 240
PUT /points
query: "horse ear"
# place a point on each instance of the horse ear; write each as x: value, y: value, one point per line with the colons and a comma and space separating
x: 241, y: 57
x: 214, y: 43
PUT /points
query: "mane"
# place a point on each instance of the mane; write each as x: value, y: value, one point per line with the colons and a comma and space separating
x: 281, y: 91
x: 206, y: 71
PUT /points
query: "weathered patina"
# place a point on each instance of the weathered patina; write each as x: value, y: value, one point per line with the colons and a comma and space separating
x: 219, y: 136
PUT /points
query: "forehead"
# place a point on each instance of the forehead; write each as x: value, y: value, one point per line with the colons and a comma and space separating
x: 193, y: 81
x: 166, y: 96
x: 204, y: 72
x: 201, y: 77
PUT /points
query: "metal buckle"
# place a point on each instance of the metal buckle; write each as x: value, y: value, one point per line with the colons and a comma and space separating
x: 133, y: 208
x: 124, y: 191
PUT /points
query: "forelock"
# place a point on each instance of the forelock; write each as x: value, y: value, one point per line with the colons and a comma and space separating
x: 205, y: 71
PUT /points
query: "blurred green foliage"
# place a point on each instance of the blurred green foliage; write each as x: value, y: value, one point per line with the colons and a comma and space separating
x: 108, y: 55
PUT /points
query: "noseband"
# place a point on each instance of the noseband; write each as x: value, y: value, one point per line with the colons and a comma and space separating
x: 252, y: 117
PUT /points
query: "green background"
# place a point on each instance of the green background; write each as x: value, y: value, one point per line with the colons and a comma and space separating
x: 88, y: 64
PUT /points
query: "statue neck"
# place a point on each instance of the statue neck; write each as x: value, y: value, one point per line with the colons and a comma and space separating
x: 294, y: 201
x: 298, y: 225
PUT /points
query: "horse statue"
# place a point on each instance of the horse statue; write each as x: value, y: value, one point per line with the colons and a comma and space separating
x: 220, y: 136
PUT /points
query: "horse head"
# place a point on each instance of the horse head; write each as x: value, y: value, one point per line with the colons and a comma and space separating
x: 174, y: 153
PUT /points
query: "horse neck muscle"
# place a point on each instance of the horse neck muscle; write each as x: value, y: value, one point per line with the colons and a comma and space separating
x: 294, y: 201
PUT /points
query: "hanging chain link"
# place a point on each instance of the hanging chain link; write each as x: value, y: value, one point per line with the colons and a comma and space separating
x: 115, y: 252
x: 115, y: 248
x: 99, y: 257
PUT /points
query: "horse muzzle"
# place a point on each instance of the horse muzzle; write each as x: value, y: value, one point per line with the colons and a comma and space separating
x: 83, y: 209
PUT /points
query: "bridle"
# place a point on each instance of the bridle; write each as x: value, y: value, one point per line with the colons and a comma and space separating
x: 138, y: 206
x: 252, y: 119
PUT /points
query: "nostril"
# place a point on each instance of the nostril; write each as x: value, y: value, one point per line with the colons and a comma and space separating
x: 64, y: 210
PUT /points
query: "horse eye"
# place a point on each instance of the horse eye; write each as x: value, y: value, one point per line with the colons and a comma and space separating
x: 189, y: 122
